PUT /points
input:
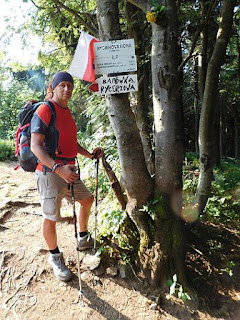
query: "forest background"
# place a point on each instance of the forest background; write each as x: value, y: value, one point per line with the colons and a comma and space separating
x: 173, y: 145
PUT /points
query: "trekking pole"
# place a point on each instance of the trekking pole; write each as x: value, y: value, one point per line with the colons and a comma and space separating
x: 96, y: 203
x: 80, y: 292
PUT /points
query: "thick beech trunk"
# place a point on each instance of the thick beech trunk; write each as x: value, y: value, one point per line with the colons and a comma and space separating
x: 167, y: 104
x: 168, y: 120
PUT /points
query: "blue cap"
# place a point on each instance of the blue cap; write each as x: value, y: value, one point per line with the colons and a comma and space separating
x: 60, y: 77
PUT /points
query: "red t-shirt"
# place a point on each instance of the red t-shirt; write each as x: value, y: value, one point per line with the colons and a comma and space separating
x: 66, y: 131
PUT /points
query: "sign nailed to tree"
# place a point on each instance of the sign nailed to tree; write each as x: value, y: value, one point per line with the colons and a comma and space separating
x: 125, y: 47
x: 117, y: 56
x: 117, y: 84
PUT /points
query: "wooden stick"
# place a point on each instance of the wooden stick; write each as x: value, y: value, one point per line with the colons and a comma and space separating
x: 114, y: 183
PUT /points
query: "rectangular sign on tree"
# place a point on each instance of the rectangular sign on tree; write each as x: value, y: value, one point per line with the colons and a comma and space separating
x: 117, y: 84
x: 124, y: 47
x: 115, y: 57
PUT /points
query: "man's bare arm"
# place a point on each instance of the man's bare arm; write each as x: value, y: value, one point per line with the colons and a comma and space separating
x: 67, y: 172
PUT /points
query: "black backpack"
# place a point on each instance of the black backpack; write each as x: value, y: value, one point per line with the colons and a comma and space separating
x: 27, y: 160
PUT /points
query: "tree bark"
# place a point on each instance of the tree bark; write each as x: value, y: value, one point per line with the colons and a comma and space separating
x: 208, y: 104
x: 165, y: 254
x: 140, y: 102
x: 196, y: 105
x: 135, y: 177
x: 167, y: 105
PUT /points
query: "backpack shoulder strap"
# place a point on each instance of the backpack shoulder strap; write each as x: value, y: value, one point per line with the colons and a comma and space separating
x: 53, y: 111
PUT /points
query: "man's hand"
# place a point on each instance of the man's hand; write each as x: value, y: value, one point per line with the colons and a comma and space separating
x: 68, y: 173
x: 98, y: 153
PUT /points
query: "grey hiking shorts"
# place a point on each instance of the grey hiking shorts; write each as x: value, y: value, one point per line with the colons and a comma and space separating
x: 53, y: 189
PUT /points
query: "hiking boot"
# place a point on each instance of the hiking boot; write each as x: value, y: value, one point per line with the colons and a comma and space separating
x: 85, y: 242
x: 59, y: 268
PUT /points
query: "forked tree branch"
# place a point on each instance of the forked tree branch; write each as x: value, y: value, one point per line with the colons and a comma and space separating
x: 92, y: 30
x: 198, y: 32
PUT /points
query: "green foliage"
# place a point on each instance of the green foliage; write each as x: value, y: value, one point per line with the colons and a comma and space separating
x: 111, y: 217
x: 58, y: 25
x: 157, y: 7
x: 228, y: 268
x: 13, y: 95
x: 150, y: 208
x: 190, y: 177
x: 176, y: 289
x: 98, y: 131
x: 224, y: 204
x: 7, y: 150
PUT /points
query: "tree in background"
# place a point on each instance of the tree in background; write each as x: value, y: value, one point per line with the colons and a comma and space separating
x: 210, y: 103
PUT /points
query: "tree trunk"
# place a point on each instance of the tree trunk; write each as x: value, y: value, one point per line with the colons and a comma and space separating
x: 140, y: 102
x: 216, y: 132
x: 237, y: 125
x: 168, y: 113
x: 135, y: 177
x: 168, y: 120
x: 208, y: 104
x: 196, y: 105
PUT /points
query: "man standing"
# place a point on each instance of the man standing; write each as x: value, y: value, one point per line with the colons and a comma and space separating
x: 56, y: 150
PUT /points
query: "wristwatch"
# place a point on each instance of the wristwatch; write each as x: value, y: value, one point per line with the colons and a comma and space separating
x: 54, y: 167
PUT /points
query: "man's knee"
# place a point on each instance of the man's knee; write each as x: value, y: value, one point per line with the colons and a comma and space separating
x: 87, y: 202
x: 49, y: 223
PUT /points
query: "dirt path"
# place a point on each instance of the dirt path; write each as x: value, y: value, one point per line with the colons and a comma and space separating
x: 28, y: 289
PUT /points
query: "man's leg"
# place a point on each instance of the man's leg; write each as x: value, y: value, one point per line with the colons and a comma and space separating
x: 56, y: 257
x: 84, y: 213
x: 51, y: 209
x: 85, y: 240
x: 85, y: 198
x: 49, y: 233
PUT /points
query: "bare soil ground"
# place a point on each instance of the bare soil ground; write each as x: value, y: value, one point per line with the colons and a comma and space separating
x: 29, y: 290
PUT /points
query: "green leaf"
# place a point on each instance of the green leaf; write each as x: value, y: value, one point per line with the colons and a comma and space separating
x: 169, y: 283
x: 185, y: 297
